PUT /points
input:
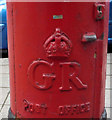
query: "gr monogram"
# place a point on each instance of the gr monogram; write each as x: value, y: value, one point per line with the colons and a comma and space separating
x: 69, y: 73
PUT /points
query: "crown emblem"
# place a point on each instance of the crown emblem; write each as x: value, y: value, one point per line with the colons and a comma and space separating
x: 58, y: 45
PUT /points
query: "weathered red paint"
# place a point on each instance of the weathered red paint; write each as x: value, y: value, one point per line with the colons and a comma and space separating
x: 62, y: 76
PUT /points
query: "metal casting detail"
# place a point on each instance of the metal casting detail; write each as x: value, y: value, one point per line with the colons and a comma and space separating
x: 69, y: 73
x: 58, y: 45
x: 38, y: 108
x: 47, y: 77
x: 62, y: 110
x: 99, y: 11
x: 74, y: 109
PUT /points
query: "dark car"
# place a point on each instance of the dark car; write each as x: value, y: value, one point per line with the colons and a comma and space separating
x: 110, y: 24
x: 110, y: 29
x: 3, y: 27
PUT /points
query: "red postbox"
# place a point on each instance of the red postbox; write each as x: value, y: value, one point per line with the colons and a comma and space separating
x: 57, y: 53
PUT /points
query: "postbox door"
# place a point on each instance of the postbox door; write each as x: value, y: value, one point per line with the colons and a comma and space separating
x: 55, y: 55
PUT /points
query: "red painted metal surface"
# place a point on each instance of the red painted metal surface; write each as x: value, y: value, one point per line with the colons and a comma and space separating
x: 57, y: 54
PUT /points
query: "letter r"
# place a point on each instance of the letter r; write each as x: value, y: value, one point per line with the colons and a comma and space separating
x: 68, y: 76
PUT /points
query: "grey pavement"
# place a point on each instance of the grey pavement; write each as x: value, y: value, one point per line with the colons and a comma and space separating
x: 5, y: 90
